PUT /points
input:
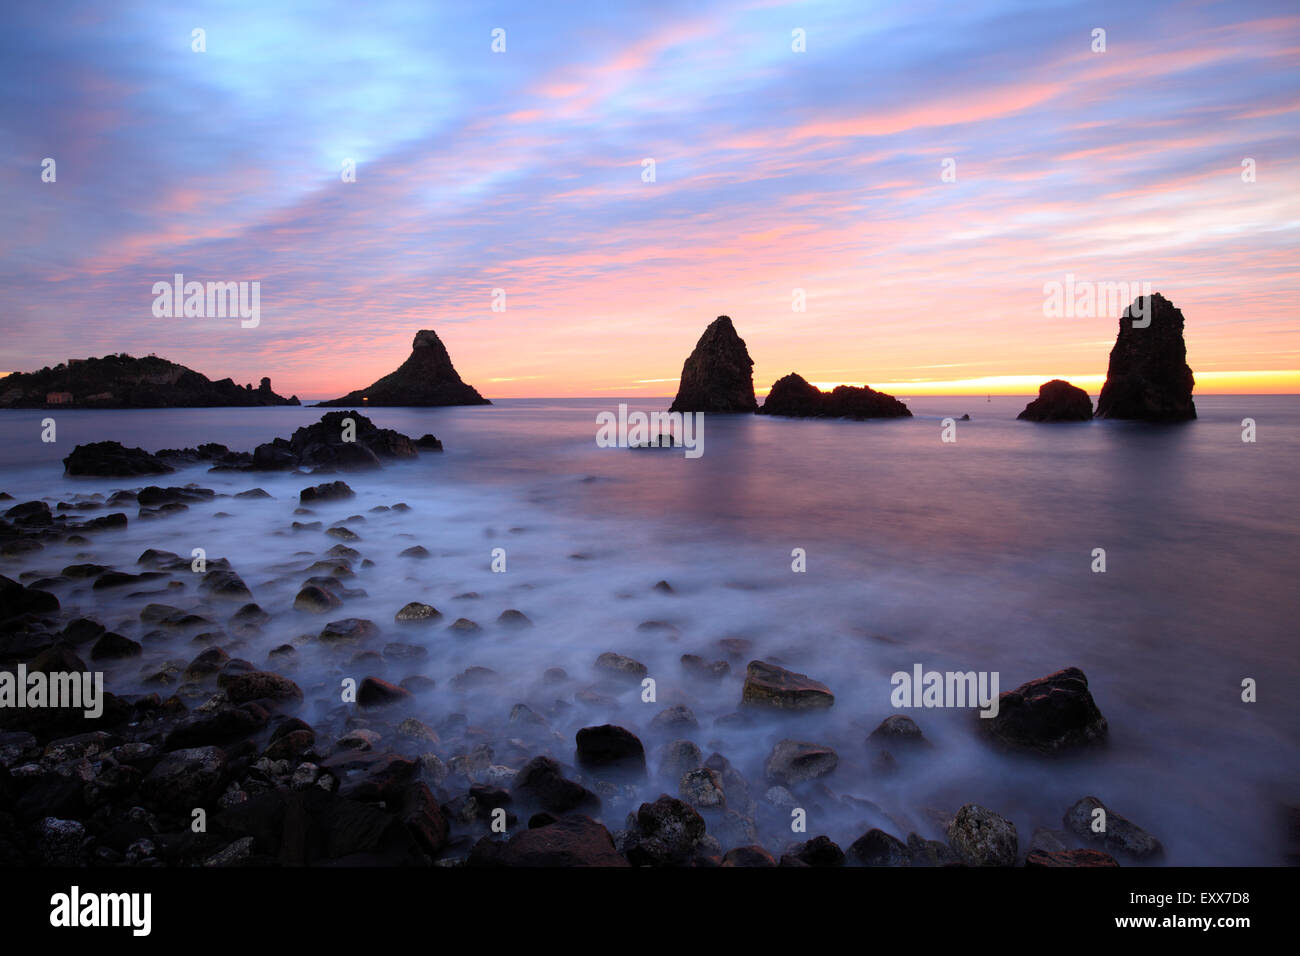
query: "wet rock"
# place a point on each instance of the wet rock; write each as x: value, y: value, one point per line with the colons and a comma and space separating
x: 697, y: 666
x: 923, y: 852
x: 315, y: 599
x: 329, y: 491
x: 667, y: 833
x: 259, y: 685
x: 464, y: 626
x: 767, y: 685
x: 897, y: 731
x: 1121, y: 835
x: 981, y: 837
x: 621, y: 666
x: 415, y: 612
x: 718, y: 375
x: 184, y: 779
x: 349, y: 630
x: 62, y: 842
x: 420, y: 812
x: 374, y: 692
x: 1048, y: 715
x: 1068, y: 858
x: 819, y: 851
x: 678, y: 757
x: 752, y: 855
x: 878, y: 848
x: 221, y: 726
x: 575, y: 840
x: 512, y: 618
x: 112, y: 459
x: 702, y: 788
x: 608, y: 746
x: 112, y: 646
x: 794, y: 761
x: 541, y: 781
x: 1058, y: 401
x: 675, y: 718
x: 225, y: 584
x: 253, y: 493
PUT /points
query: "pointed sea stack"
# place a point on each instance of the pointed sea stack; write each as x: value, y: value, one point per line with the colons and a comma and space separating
x: 1149, y: 378
x: 719, y: 375
x: 427, y: 378
x: 1058, y: 401
x: 796, y: 397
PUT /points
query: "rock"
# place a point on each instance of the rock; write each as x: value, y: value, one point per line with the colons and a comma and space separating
x: 878, y: 848
x: 702, y: 787
x: 225, y: 584
x: 608, y: 746
x: 621, y: 666
x: 752, y: 855
x: 425, y: 379
x: 217, y: 727
x: 424, y: 818
x: 794, y: 761
x: 819, y: 851
x: 667, y: 833
x: 110, y: 459
x: 1070, y: 858
x: 767, y: 685
x: 897, y: 729
x: 259, y: 685
x: 678, y: 757
x: 1058, y: 401
x: 349, y: 630
x: 718, y: 376
x: 512, y: 618
x: 62, y: 842
x: 330, y: 491
x: 1148, y: 377
x: 541, y: 781
x: 697, y: 666
x: 185, y: 779
x: 924, y: 852
x: 374, y: 692
x: 427, y: 442
x: 1048, y: 715
x: 575, y: 840
x: 415, y: 613
x: 417, y: 551
x: 1121, y: 834
x: 793, y: 396
x: 253, y: 493
x: 981, y: 837
x: 316, y: 600
x: 114, y: 647
x: 678, y: 717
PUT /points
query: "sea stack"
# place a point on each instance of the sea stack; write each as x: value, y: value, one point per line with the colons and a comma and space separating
x: 796, y: 397
x: 1149, y: 378
x: 719, y: 375
x: 427, y: 378
x: 1058, y: 401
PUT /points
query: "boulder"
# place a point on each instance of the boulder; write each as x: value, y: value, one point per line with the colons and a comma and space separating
x: 981, y: 837
x: 1058, y: 401
x: 667, y: 833
x: 767, y: 685
x: 110, y: 459
x: 795, y: 397
x: 794, y: 761
x: 541, y: 781
x: 575, y: 840
x: 1064, y: 858
x: 1048, y: 715
x: 718, y: 376
x: 1148, y: 377
x: 878, y: 848
x: 608, y: 746
x: 1121, y: 835
x: 330, y: 491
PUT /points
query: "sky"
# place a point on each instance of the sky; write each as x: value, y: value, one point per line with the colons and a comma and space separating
x: 916, y: 173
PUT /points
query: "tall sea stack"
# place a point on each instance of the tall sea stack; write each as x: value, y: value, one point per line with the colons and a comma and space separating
x: 719, y: 375
x: 426, y: 378
x: 1149, y: 378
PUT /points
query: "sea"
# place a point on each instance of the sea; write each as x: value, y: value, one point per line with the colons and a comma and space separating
x: 846, y: 551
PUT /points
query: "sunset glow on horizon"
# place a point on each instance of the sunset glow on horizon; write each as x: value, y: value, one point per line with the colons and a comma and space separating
x: 815, y: 176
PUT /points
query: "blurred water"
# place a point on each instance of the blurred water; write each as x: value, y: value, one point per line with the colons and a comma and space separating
x: 973, y: 555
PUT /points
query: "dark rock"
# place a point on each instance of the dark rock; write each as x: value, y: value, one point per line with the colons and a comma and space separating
x: 608, y: 746
x: 1058, y: 401
x: 575, y: 840
x: 621, y: 666
x: 1048, y: 715
x: 185, y: 779
x: 718, y: 376
x: 1070, y: 858
x: 667, y: 833
x: 794, y: 397
x: 316, y: 600
x: 330, y: 491
x: 753, y: 855
x: 541, y: 781
x: 981, y: 837
x: 819, y: 851
x: 415, y: 613
x: 427, y: 378
x: 374, y: 692
x: 259, y: 685
x: 1121, y: 834
x: 111, y: 459
x: 897, y: 729
x: 767, y: 685
x: 114, y: 646
x: 1148, y: 377
x: 878, y: 848
x: 794, y: 761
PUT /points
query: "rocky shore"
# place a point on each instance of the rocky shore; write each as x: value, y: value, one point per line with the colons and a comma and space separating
x: 218, y: 743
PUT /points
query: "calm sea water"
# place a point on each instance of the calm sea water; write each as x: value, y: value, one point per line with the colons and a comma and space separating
x: 972, y: 555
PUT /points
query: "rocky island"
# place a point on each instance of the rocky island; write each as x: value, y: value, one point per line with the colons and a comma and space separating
x: 122, y: 381
x: 1148, y: 377
x: 427, y: 378
x: 1058, y: 401
x: 718, y: 376
x: 795, y: 397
